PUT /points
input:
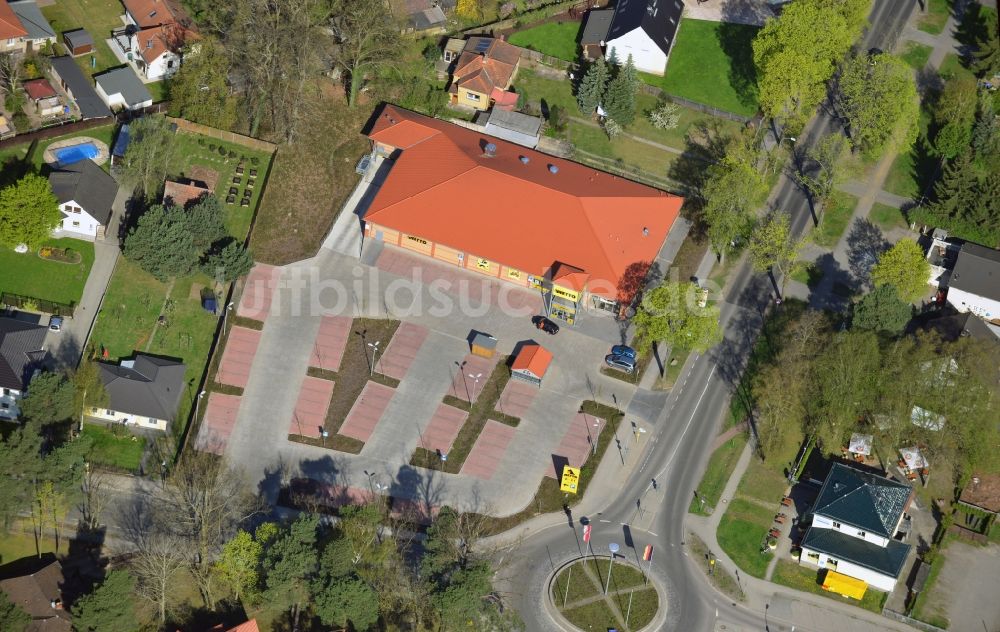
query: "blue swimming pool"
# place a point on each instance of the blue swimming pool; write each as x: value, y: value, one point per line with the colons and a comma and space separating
x: 76, y: 153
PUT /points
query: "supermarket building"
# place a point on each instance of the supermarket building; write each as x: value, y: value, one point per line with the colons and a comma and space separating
x: 583, y: 238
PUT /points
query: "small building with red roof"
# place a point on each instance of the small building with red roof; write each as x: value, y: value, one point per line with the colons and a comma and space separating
x: 577, y: 235
x: 531, y: 363
x: 184, y: 191
x: 43, y: 97
x: 483, y: 74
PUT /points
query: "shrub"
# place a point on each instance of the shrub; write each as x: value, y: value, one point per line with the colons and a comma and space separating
x: 20, y: 121
x: 254, y: 160
x: 232, y: 154
x: 665, y: 115
x: 201, y: 141
x: 211, y: 147
x: 222, y: 151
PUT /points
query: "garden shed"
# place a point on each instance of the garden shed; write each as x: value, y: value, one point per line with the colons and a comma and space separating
x: 483, y: 345
x: 531, y: 363
x: 78, y: 42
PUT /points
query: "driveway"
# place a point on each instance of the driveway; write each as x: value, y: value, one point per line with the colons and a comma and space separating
x: 966, y: 588
x: 67, y: 346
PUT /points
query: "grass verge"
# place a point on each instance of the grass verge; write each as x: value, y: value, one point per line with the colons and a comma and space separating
x: 807, y: 579
x: 887, y: 217
x: 741, y: 532
x: 720, y: 467
x: 626, y: 582
x: 923, y: 609
x: 836, y: 215
x: 719, y: 575
x: 934, y: 19
x: 916, y: 55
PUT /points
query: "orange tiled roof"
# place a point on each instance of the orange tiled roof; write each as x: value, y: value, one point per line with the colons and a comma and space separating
x: 153, y: 42
x: 534, y: 358
x: 10, y: 25
x: 182, y: 192
x: 39, y: 89
x: 569, y: 277
x: 486, y: 64
x: 442, y: 188
x: 147, y: 13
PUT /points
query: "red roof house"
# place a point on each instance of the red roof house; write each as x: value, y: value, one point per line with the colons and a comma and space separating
x: 513, y: 213
x: 484, y: 72
x: 39, y: 89
x: 10, y: 29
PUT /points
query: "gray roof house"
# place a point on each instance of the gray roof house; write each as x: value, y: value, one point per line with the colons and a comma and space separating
x: 855, y: 520
x: 38, y: 28
x: 77, y: 86
x: 646, y: 30
x: 974, y: 285
x: 146, y: 390
x: 86, y: 185
x: 121, y: 88
x: 21, y: 353
x: 514, y: 127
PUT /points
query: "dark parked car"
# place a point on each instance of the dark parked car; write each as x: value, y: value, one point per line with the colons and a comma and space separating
x: 545, y: 324
x: 625, y: 351
x: 619, y: 362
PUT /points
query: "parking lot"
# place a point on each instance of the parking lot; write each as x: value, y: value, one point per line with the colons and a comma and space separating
x: 426, y: 354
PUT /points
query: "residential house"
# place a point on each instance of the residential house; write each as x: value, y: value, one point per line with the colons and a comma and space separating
x: 974, y: 285
x: 120, y: 88
x: 484, y: 73
x: 941, y: 255
x: 43, y: 97
x: 514, y: 127
x: 39, y: 31
x: 154, y: 34
x: 12, y: 32
x: 77, y: 87
x: 184, y: 191
x: 855, y: 522
x: 646, y: 30
x: 39, y: 594
x: 952, y: 326
x: 21, y: 354
x: 145, y: 391
x: 78, y: 42
x: 982, y: 494
x: 595, y: 32
x: 571, y: 232
x: 422, y: 16
x: 86, y: 195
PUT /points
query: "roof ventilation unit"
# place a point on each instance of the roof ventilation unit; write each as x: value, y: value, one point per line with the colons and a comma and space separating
x: 553, y: 169
x: 490, y: 150
x: 525, y: 160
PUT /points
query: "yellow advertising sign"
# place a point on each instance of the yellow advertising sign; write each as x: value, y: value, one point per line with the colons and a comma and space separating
x: 564, y: 293
x: 570, y: 478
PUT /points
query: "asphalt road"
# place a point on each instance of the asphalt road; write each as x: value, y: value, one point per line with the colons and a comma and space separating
x: 682, y: 437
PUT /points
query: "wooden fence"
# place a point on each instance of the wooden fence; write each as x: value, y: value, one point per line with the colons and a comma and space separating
x: 229, y: 137
x: 694, y: 105
x: 539, y: 58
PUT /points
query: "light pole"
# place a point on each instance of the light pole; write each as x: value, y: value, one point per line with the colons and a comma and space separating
x: 197, y: 402
x: 374, y: 346
x: 475, y: 385
x: 324, y: 434
x: 371, y: 485
x: 613, y: 547
x: 225, y: 315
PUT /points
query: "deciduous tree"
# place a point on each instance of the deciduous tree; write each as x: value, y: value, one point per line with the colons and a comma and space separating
x: 155, y: 564
x: 773, y: 246
x: 904, y: 267
x: 666, y: 115
x: 367, y: 38
x: 200, y: 91
x: 878, y: 96
x: 109, y: 606
x: 28, y: 212
x: 882, y: 310
x: 670, y: 313
x: 733, y: 191
x: 239, y: 563
x: 150, y: 151
x: 821, y: 170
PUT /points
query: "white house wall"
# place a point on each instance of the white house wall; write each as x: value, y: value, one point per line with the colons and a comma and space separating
x: 115, y: 416
x: 8, y: 403
x: 872, y: 578
x: 646, y: 55
x: 160, y: 68
x: 824, y: 522
x: 87, y: 228
x: 986, y: 308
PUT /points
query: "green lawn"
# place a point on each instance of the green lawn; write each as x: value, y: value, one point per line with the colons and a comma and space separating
x: 836, y: 215
x: 16, y: 545
x: 741, y: 533
x: 114, y: 447
x: 720, y: 468
x: 628, y: 153
x: 916, y: 55
x: 806, y: 579
x: 160, y: 90
x: 809, y: 274
x: 912, y: 169
x: 556, y: 39
x: 887, y: 217
x: 937, y: 15
x: 194, y: 149
x: 764, y: 481
x: 952, y: 66
x: 712, y: 63
x: 99, y: 17
x: 128, y: 323
x: 30, y: 275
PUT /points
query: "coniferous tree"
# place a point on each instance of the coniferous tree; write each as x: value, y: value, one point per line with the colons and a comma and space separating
x: 592, y: 87
x: 619, y: 101
x: 955, y: 190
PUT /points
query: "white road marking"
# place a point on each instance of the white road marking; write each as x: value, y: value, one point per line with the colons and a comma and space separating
x: 687, y: 427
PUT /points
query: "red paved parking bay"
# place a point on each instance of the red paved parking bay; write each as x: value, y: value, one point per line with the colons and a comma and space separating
x: 237, y: 359
x: 484, y: 459
x: 311, y: 407
x: 366, y: 412
x: 218, y: 422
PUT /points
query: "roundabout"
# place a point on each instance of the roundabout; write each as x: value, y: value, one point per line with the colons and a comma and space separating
x: 598, y: 593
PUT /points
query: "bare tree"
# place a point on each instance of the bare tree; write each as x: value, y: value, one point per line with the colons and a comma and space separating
x: 203, y: 505
x: 10, y: 73
x: 155, y: 564
x: 94, y: 498
x: 366, y: 37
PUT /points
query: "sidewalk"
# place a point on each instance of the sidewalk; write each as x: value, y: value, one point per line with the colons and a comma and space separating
x: 782, y: 604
